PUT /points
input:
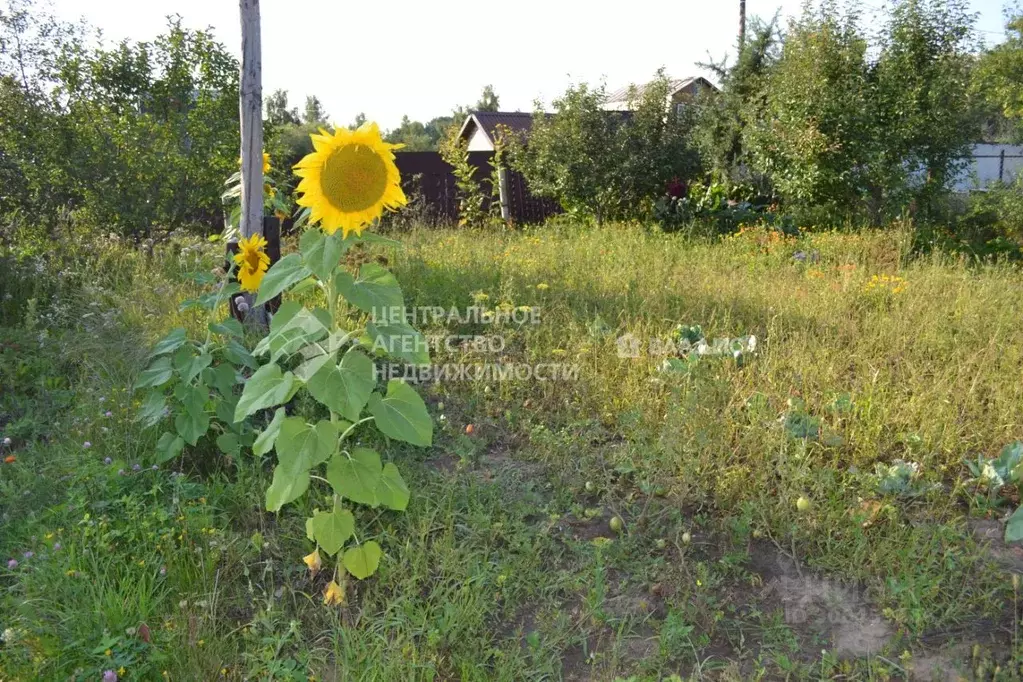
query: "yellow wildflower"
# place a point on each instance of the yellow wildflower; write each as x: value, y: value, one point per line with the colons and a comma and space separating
x: 333, y: 595
x: 313, y: 561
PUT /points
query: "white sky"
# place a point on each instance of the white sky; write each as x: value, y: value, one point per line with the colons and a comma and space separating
x: 424, y: 58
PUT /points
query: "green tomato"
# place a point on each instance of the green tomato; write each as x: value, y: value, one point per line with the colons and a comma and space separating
x: 686, y: 538
x: 802, y: 504
x: 617, y: 524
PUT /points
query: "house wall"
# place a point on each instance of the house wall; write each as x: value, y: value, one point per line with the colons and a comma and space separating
x: 480, y: 142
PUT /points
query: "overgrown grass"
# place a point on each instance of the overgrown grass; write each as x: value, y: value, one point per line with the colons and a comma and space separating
x: 505, y: 565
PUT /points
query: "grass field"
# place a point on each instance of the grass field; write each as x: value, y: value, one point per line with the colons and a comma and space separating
x: 631, y: 518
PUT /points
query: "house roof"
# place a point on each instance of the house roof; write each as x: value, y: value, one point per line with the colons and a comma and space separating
x: 516, y: 121
x: 622, y: 95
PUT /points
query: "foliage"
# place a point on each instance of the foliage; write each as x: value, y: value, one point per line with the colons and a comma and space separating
x: 136, y: 136
x: 813, y: 132
x: 925, y: 122
x: 862, y: 130
x: 608, y: 164
x: 722, y: 116
x: 435, y: 133
x: 472, y: 200
x: 317, y: 337
x: 999, y: 74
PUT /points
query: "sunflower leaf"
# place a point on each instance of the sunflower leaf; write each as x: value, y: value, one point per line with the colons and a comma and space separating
x: 268, y: 387
x: 402, y: 415
x: 363, y: 561
x: 281, y: 275
x: 321, y: 253
x: 376, y: 291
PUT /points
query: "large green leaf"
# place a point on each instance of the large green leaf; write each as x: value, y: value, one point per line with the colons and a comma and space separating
x: 157, y: 374
x: 194, y: 367
x: 399, y: 340
x: 402, y: 415
x: 192, y: 424
x: 356, y: 475
x: 268, y: 436
x: 321, y: 253
x: 346, y: 387
x: 229, y: 327
x: 169, y: 343
x: 168, y: 447
x: 288, y: 485
x: 318, y: 353
x: 311, y: 444
x: 151, y: 412
x: 223, y: 378
x: 229, y: 444
x: 375, y: 291
x: 1014, y: 529
x: 292, y: 328
x: 363, y: 561
x: 280, y: 276
x: 392, y: 492
x: 266, y: 388
x: 332, y: 529
x: 238, y: 355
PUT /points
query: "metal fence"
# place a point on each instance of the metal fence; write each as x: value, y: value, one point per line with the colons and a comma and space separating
x: 428, y: 176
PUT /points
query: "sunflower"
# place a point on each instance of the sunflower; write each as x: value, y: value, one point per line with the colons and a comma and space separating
x: 333, y: 595
x: 266, y: 163
x: 252, y: 262
x: 349, y: 179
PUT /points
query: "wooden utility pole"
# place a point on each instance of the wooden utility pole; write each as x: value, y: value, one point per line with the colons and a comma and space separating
x: 742, y: 23
x: 251, y: 109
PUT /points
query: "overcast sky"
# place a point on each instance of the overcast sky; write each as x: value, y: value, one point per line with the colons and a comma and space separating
x: 424, y: 58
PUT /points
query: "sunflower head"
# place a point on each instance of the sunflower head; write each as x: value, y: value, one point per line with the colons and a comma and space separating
x: 252, y: 262
x: 349, y: 179
x: 266, y: 162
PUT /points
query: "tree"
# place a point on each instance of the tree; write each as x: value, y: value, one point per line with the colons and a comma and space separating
x: 131, y: 137
x: 721, y: 115
x: 314, y: 112
x: 607, y: 164
x: 813, y: 134
x: 277, y: 111
x: 924, y: 121
x: 488, y: 101
x: 413, y: 134
x: 998, y: 79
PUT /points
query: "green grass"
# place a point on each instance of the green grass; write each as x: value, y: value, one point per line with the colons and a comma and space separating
x: 505, y: 566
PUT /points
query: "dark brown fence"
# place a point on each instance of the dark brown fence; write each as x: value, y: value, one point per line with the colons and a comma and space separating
x: 427, y: 175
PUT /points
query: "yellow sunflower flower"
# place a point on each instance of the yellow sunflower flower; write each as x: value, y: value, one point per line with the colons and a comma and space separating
x: 252, y: 262
x: 349, y: 179
x: 333, y: 595
x: 266, y: 163
x: 313, y: 561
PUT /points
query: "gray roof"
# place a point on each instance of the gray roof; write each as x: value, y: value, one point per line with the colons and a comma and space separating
x: 675, y: 84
